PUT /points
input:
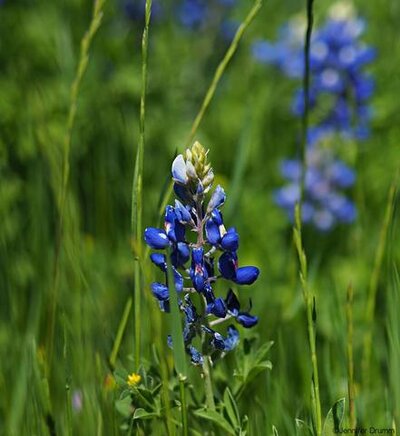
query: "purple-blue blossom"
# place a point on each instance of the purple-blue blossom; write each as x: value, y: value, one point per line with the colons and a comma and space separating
x: 325, y: 202
x: 198, y: 263
x: 338, y: 58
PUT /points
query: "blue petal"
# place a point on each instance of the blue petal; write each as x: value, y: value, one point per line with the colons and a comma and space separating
x: 156, y: 238
x: 209, y: 294
x: 209, y: 264
x: 197, y: 256
x: 179, y: 170
x: 232, y: 339
x: 182, y: 193
x: 217, y: 308
x: 164, y: 305
x: 227, y: 265
x: 190, y: 310
x: 159, y: 259
x: 341, y: 174
x: 160, y: 291
x: 230, y: 240
x: 169, y: 341
x: 232, y: 303
x: 217, y: 199
x: 212, y: 232
x: 181, y: 254
x: 199, y: 282
x: 182, y: 214
x: 218, y: 341
x: 247, y: 320
x: 246, y: 275
x: 195, y: 355
x: 216, y: 216
x: 178, y: 280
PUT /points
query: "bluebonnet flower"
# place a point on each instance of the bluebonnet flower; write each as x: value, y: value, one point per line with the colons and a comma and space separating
x: 324, y: 204
x: 339, y: 95
x: 337, y: 65
x: 194, y: 264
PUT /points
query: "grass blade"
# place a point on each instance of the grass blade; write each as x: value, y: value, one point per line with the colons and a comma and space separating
x: 137, y: 194
x: 75, y: 88
x: 373, y: 285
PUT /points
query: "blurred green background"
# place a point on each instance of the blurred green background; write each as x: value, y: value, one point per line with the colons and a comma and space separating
x: 249, y: 129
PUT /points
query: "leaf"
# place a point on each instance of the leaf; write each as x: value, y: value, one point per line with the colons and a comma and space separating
x: 144, y: 414
x: 334, y: 418
x: 231, y: 408
x: 124, y: 406
x: 262, y: 351
x: 216, y: 418
x: 302, y: 428
x: 255, y: 370
x: 274, y: 431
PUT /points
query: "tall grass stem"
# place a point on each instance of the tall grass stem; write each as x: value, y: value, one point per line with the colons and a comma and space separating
x: 74, y: 94
x: 137, y: 192
x: 350, y: 361
x: 120, y: 333
x: 374, y: 281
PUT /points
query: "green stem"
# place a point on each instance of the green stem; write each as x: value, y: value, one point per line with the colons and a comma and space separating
x: 311, y: 319
x: 178, y: 348
x: 308, y: 298
x: 314, y: 362
x: 183, y: 406
x: 208, y: 384
x: 373, y: 285
x: 137, y: 192
x: 120, y: 333
x: 81, y: 69
x: 350, y: 362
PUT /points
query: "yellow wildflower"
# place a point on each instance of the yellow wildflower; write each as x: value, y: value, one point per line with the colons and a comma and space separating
x: 133, y: 379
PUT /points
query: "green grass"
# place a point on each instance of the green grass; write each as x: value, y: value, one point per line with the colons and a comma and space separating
x: 70, y: 313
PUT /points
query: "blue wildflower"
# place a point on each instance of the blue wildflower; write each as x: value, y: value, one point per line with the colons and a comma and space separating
x: 324, y: 205
x: 233, y: 309
x: 337, y: 62
x: 193, y: 178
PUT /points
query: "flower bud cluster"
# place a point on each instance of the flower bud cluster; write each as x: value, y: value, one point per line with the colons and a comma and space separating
x: 198, y: 265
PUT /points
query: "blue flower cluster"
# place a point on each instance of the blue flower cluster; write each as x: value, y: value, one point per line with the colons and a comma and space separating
x: 194, y: 262
x: 339, y: 95
x: 337, y: 65
x: 324, y: 205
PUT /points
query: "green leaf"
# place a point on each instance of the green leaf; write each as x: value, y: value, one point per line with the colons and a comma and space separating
x: 231, y: 408
x: 302, y: 428
x: 274, y: 431
x: 257, y: 369
x: 262, y: 351
x: 124, y: 406
x: 334, y: 418
x: 144, y: 414
x: 216, y: 418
